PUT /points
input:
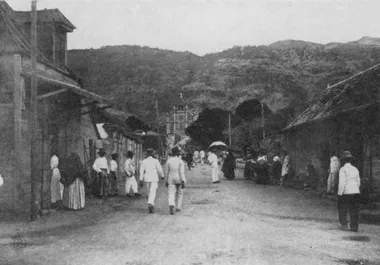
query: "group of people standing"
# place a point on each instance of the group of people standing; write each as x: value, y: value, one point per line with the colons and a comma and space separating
x: 263, y: 171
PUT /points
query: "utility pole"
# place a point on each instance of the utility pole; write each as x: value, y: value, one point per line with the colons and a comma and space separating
x: 33, y: 113
x: 158, y: 130
x: 229, y: 130
x: 262, y: 119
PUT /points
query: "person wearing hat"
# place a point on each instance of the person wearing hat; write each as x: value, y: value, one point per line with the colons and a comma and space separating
x: 213, y: 160
x: 349, y: 193
x: 175, y: 180
x: 130, y: 171
x: 150, y: 171
x: 102, y: 169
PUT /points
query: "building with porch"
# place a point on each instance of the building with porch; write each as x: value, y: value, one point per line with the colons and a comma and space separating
x: 346, y: 117
x: 65, y: 120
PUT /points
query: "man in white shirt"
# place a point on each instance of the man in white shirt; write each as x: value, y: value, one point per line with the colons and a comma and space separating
x: 333, y: 173
x: 202, y: 155
x: 349, y: 193
x: 213, y: 160
x: 175, y: 180
x: 196, y: 156
x: 150, y: 171
x: 101, y: 167
x: 130, y: 171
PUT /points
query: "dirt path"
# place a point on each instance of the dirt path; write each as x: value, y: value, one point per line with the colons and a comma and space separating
x: 235, y: 222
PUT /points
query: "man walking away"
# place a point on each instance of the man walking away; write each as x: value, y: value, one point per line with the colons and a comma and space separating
x: 333, y: 174
x: 130, y: 171
x: 150, y: 171
x: 175, y: 180
x: 213, y: 159
x: 349, y: 193
x: 102, y: 169
x: 189, y: 159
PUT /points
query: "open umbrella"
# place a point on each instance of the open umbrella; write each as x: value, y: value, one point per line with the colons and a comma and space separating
x: 217, y: 144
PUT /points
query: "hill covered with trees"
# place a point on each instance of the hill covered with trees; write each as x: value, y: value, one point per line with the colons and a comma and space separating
x: 286, y: 75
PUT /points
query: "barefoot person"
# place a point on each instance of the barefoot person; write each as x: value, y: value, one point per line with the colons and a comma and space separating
x: 150, y: 171
x: 175, y: 180
x: 130, y: 171
x: 349, y: 193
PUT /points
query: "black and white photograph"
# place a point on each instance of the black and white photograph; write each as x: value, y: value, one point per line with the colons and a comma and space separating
x: 189, y: 132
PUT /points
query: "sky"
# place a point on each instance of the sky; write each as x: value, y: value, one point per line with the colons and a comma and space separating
x: 207, y: 26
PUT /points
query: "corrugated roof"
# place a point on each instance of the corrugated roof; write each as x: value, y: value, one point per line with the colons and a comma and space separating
x: 354, y: 93
x: 46, y: 15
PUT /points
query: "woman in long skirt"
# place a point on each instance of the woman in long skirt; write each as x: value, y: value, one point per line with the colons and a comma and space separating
x: 72, y: 174
x: 56, y: 187
x: 229, y: 166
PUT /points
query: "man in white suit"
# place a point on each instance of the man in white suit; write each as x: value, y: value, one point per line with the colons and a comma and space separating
x: 175, y: 180
x: 150, y: 172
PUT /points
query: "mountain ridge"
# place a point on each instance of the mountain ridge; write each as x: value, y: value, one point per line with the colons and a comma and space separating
x: 288, y: 73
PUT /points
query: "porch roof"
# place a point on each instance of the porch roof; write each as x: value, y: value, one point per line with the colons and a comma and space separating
x: 353, y: 94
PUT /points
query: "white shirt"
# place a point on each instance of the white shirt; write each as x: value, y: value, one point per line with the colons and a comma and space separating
x: 196, y: 153
x: 334, y: 164
x: 202, y: 153
x: 113, y: 165
x: 175, y: 170
x: 101, y: 162
x: 213, y: 159
x: 129, y: 167
x: 349, y: 180
x: 150, y: 170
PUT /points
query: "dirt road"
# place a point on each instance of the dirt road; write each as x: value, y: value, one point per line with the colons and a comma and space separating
x: 235, y: 222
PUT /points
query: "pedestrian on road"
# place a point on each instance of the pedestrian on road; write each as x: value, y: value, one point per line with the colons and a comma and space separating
x: 213, y: 160
x: 202, y: 155
x: 332, y: 180
x: 276, y: 169
x: 102, y: 169
x: 175, y: 180
x: 285, y: 168
x: 113, y: 175
x: 196, y: 156
x: 150, y: 171
x: 349, y: 193
x: 130, y: 172
x: 311, y: 176
x: 189, y: 159
x: 262, y: 169
x: 229, y: 166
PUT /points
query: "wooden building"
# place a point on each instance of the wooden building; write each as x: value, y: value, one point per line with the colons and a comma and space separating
x: 65, y: 122
x: 346, y: 117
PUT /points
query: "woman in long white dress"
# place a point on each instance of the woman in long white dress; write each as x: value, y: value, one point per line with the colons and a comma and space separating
x: 56, y: 187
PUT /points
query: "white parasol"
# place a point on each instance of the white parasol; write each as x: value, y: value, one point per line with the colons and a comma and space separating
x: 217, y: 144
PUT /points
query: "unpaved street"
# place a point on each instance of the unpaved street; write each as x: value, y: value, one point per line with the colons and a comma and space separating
x: 235, y: 222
